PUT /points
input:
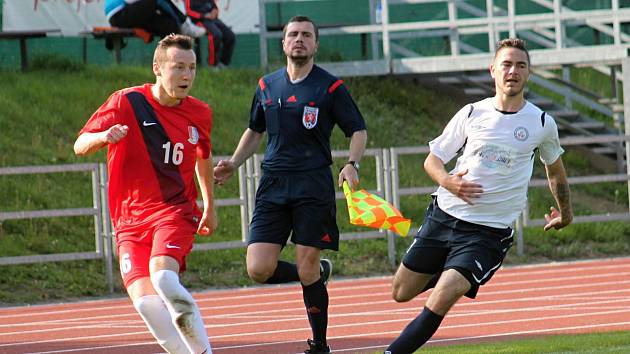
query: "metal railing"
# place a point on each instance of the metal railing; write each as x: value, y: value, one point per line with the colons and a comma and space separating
x: 243, y: 201
x: 386, y: 170
x: 101, y: 248
x: 546, y: 28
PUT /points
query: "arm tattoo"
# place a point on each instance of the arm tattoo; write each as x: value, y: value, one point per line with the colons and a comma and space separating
x: 562, y: 194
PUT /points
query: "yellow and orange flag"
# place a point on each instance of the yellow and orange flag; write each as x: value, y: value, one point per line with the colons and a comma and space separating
x: 370, y: 210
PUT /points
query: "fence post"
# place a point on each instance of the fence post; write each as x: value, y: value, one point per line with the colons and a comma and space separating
x: 492, y: 34
x: 380, y: 173
x: 394, y: 195
x: 391, y: 241
x: 262, y: 40
x: 511, y: 7
x: 395, y: 180
x: 625, y: 68
x: 387, y: 55
x: 558, y: 24
x: 453, y: 32
x: 106, y: 227
x: 244, y: 197
x: 375, y: 5
x: 251, y: 188
x: 97, y: 205
x: 617, y: 117
x: 520, y: 249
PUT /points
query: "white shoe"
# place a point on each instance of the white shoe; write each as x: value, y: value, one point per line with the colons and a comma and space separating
x: 189, y: 29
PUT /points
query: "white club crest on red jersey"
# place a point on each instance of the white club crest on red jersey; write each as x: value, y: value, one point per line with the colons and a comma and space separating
x: 309, y: 117
x: 193, y: 135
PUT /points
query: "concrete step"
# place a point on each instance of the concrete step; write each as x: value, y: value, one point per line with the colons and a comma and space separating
x: 604, y: 150
x: 480, y: 79
x: 589, y: 125
x: 607, y: 100
x: 449, y: 80
x: 569, y: 115
x: 541, y: 102
x: 476, y: 91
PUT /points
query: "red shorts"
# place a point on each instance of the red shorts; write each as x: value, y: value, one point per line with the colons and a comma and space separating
x: 164, y: 237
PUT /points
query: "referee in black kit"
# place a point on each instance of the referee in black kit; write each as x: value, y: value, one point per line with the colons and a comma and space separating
x: 298, y: 106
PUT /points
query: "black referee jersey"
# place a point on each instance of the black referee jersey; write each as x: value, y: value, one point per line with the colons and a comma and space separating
x: 299, y: 118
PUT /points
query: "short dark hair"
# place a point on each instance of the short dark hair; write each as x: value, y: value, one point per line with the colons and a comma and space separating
x: 300, y: 18
x: 512, y: 43
x: 172, y: 40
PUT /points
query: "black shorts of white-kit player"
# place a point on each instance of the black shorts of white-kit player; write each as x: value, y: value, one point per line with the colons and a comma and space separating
x: 446, y: 242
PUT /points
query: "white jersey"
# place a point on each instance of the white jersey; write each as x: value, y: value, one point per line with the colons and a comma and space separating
x: 499, y: 155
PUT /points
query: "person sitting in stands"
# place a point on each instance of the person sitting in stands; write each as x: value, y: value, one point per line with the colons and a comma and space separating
x: 158, y: 17
x: 221, y: 39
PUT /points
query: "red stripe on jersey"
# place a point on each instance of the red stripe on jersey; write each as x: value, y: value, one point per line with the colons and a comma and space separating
x: 334, y: 86
x: 261, y: 83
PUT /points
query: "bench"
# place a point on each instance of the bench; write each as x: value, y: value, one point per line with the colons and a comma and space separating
x: 116, y: 35
x: 22, y: 36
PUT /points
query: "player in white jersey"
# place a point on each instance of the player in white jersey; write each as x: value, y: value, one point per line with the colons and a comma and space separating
x: 467, y: 228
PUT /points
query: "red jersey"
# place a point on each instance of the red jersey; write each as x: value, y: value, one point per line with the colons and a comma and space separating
x: 152, y: 169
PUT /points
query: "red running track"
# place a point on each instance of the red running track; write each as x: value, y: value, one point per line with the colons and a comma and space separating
x: 558, y: 298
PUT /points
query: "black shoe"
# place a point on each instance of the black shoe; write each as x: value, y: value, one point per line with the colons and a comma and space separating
x: 316, y: 348
x: 325, y: 270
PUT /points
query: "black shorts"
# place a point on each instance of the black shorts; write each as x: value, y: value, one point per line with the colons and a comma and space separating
x: 300, y: 205
x: 446, y: 242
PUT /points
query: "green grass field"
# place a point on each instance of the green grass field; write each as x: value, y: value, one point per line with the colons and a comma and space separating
x: 610, y: 342
x: 44, y: 109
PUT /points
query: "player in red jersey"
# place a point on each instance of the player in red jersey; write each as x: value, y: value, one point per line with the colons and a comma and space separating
x: 158, y: 137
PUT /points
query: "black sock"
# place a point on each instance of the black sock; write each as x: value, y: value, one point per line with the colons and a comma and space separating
x: 416, y: 333
x: 316, y: 302
x: 285, y: 272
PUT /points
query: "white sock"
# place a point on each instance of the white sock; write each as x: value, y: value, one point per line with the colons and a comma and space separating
x: 155, y: 314
x: 183, y: 309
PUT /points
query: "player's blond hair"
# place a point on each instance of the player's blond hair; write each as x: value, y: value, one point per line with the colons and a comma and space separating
x: 172, y: 40
x: 512, y: 43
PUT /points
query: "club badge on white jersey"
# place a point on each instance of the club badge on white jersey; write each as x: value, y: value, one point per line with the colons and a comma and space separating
x: 309, y: 117
x: 521, y: 133
x: 193, y: 135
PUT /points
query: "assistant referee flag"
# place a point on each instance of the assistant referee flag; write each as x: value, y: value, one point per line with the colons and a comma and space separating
x: 366, y: 209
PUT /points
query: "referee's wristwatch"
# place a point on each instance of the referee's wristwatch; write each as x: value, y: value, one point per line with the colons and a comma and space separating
x: 353, y: 164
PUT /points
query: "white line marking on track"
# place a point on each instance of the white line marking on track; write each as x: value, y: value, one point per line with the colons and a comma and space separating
x: 210, y: 296
x: 410, y: 308
x: 583, y: 301
x: 363, y: 325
